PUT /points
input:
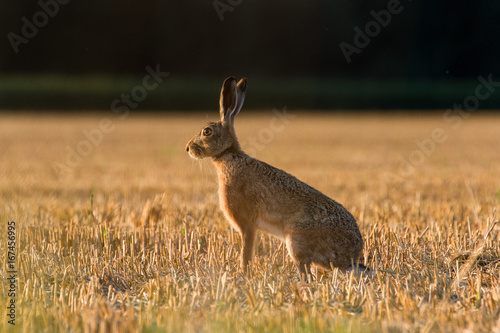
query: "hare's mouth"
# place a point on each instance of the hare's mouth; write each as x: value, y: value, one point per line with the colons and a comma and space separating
x: 195, y: 152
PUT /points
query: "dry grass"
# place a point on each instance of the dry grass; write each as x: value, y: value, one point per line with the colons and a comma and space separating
x: 133, y: 240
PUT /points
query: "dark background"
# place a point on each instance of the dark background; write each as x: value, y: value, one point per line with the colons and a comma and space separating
x: 429, y: 56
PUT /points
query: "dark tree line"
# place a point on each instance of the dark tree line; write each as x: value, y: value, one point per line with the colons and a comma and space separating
x: 426, y: 39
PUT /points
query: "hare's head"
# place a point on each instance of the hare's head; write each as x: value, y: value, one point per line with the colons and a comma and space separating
x: 218, y: 137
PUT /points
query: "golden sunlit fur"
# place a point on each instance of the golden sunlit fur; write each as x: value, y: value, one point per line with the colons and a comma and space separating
x: 256, y: 196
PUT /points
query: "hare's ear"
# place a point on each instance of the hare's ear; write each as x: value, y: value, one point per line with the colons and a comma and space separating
x: 227, y: 99
x: 241, y: 89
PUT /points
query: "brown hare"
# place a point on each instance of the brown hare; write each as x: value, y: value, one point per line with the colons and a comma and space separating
x: 256, y: 196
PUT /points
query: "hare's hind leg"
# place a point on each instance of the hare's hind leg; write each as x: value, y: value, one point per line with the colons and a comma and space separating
x: 300, y: 256
x: 304, y: 270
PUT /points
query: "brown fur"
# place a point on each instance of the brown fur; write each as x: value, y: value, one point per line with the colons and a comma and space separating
x: 257, y: 196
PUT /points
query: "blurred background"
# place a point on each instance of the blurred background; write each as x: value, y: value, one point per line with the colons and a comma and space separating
x: 325, y: 54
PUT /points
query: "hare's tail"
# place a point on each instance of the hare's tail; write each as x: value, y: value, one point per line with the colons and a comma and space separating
x: 360, y: 268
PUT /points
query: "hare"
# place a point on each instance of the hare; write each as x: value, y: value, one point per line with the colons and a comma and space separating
x: 257, y: 196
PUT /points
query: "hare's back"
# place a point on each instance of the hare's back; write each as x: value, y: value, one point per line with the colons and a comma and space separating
x: 299, y: 196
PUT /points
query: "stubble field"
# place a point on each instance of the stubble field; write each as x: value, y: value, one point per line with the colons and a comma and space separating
x: 118, y: 230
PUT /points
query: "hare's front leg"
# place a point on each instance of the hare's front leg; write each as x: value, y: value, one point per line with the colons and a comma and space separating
x: 248, y: 237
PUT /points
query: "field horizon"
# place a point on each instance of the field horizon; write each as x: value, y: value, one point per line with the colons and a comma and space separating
x: 118, y: 229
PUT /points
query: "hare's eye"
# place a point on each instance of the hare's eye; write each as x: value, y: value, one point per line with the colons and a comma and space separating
x: 207, y: 131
